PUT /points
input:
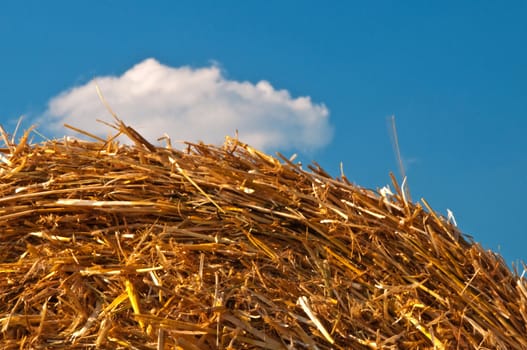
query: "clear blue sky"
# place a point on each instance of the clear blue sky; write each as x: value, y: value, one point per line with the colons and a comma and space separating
x: 454, y: 75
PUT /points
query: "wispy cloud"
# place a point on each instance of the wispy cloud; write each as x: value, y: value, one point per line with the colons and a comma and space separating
x: 193, y: 104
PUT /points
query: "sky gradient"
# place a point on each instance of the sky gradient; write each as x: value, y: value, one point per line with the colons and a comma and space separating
x: 455, y: 77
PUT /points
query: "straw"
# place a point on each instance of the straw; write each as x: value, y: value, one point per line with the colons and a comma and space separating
x: 111, y: 246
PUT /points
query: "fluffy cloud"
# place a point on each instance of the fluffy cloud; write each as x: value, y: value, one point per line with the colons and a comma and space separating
x: 193, y: 104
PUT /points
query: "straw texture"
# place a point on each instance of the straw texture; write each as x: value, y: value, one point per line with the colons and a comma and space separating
x: 111, y: 246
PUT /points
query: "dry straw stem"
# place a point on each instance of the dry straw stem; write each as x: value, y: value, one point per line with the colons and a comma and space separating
x: 111, y: 246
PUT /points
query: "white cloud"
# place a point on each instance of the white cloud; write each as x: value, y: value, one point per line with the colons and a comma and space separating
x: 193, y: 104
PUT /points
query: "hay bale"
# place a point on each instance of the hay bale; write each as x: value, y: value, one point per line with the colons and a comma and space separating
x: 110, y: 246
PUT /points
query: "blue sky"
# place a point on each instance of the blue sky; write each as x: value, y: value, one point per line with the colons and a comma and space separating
x: 453, y: 73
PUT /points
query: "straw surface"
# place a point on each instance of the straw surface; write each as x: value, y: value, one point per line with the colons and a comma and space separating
x: 117, y: 247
